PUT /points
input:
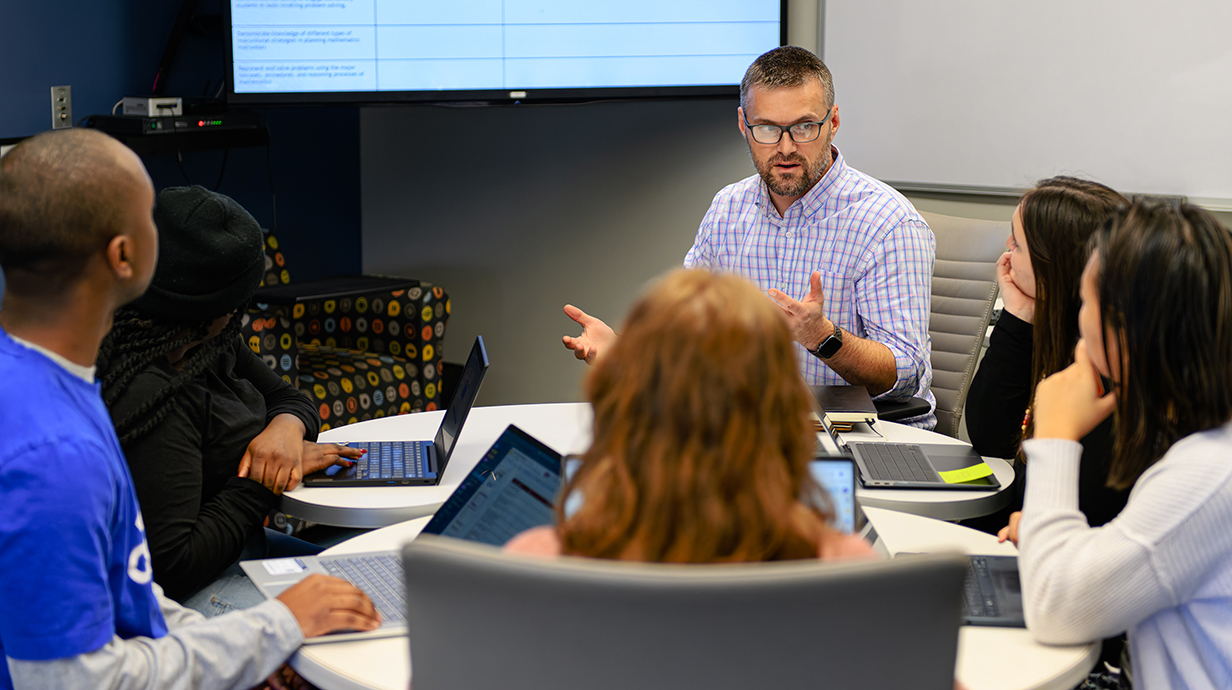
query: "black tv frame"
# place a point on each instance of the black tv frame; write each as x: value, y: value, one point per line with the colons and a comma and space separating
x: 492, y: 96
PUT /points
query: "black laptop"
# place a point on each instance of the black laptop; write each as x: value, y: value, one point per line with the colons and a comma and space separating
x: 405, y: 463
x: 992, y: 592
x: 512, y: 489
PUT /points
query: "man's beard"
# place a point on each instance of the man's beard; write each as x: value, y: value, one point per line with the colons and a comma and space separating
x: 797, y: 184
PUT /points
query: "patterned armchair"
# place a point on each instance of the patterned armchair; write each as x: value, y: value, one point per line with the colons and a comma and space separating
x: 361, y: 347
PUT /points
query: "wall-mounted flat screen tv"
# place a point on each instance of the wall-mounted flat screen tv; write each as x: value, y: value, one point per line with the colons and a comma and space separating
x: 372, y: 51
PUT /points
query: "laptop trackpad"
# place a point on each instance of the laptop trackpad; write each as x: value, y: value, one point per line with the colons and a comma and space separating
x: 335, y: 473
x: 273, y: 589
x: 946, y: 457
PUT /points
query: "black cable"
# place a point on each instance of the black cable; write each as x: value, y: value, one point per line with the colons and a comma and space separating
x: 173, y: 45
x: 269, y: 168
x: 179, y: 158
x: 179, y: 155
x: 223, y: 169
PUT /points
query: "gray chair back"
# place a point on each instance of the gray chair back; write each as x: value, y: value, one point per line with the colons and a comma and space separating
x: 480, y: 618
x: 963, y: 293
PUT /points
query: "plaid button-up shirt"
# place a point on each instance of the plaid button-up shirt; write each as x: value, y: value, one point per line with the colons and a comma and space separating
x: 875, y: 254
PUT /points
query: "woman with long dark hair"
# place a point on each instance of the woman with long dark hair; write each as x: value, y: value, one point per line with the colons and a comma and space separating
x: 1156, y: 325
x: 1038, y: 277
x: 701, y: 438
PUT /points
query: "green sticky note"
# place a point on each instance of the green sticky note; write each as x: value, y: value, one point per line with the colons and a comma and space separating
x: 966, y: 474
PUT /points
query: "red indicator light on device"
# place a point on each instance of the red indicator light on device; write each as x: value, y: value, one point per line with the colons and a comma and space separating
x: 200, y: 123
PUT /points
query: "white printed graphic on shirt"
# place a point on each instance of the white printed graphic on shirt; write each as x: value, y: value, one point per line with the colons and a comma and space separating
x: 139, y: 569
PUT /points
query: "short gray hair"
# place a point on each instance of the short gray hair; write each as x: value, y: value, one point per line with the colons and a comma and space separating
x: 786, y: 66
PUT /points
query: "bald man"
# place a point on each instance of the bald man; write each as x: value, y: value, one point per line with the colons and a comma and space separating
x: 79, y: 608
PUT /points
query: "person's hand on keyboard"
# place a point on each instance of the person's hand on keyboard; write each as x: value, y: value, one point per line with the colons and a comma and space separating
x: 319, y: 456
x: 323, y: 604
x: 275, y: 456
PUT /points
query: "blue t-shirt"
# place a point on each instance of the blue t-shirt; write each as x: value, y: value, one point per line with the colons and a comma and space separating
x: 73, y: 556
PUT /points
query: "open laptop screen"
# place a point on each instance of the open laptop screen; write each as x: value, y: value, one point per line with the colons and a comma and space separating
x: 460, y: 406
x: 511, y: 490
x: 838, y: 477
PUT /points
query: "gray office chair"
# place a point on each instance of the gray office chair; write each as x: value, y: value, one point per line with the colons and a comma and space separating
x: 479, y: 618
x: 963, y: 294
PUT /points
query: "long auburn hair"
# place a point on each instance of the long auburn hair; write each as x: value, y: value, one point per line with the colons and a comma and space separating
x: 1165, y: 294
x: 701, y: 434
x: 1059, y: 216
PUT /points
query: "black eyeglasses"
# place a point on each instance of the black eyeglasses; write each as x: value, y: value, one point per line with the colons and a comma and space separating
x: 801, y: 132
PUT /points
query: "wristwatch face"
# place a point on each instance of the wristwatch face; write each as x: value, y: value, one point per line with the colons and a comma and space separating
x: 828, y: 347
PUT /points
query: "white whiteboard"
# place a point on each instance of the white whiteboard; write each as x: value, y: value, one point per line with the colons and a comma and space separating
x: 1000, y: 93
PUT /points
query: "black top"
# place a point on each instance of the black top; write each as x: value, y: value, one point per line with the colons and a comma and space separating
x: 197, y: 512
x: 997, y: 402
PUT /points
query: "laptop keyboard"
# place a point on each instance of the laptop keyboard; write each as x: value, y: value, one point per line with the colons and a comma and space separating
x: 896, y: 462
x: 380, y: 577
x: 391, y: 460
x: 977, y: 602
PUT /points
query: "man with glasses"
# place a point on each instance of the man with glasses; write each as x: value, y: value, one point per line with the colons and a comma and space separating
x: 854, y: 251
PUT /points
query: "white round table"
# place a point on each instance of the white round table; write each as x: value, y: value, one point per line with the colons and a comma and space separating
x: 565, y: 427
x: 988, y: 658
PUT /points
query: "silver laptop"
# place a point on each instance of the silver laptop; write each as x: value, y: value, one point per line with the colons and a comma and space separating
x: 929, y: 466
x: 512, y: 489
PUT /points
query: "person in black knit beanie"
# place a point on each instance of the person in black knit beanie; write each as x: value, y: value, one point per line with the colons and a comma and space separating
x: 210, y: 260
x: 212, y: 436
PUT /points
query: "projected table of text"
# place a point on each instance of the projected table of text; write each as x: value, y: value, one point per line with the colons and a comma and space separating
x: 303, y: 46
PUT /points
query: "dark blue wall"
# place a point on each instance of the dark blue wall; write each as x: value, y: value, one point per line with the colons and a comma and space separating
x: 107, y: 49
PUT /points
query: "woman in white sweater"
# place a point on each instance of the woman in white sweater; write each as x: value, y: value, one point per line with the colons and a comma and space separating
x: 1156, y: 325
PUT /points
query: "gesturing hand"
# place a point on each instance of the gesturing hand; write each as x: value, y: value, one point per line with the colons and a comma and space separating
x: 318, y: 456
x: 1016, y: 301
x: 1068, y: 404
x: 324, y: 604
x: 596, y: 336
x: 809, y: 325
x: 275, y: 456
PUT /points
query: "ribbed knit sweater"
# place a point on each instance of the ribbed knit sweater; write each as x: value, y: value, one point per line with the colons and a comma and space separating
x: 1162, y: 570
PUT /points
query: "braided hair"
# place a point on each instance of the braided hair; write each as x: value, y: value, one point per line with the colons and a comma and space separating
x: 134, y: 343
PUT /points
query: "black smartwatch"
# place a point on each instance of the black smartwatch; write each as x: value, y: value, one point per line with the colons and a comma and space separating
x: 831, y: 345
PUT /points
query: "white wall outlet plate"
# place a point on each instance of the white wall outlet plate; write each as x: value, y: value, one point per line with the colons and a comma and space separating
x: 61, y: 107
